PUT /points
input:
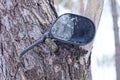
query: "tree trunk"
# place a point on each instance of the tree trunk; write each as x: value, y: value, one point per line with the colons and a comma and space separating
x: 116, y: 35
x: 22, y: 22
x: 82, y: 5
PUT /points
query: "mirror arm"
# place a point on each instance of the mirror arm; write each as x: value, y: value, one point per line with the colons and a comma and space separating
x: 42, y: 39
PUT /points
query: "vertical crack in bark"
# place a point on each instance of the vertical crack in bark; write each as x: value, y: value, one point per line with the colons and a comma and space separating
x: 70, y: 73
x: 1, y: 48
x: 45, y: 74
x: 0, y: 25
x: 51, y: 3
x: 69, y: 70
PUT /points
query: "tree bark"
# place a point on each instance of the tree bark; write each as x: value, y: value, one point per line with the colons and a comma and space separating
x: 116, y: 35
x: 22, y: 22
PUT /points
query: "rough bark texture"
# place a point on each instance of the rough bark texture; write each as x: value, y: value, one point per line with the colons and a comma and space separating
x: 24, y: 21
x: 116, y: 35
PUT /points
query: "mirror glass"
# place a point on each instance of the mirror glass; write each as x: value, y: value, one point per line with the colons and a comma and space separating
x: 74, y: 29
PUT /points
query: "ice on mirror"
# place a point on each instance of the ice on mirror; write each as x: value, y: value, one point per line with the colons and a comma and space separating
x: 63, y: 28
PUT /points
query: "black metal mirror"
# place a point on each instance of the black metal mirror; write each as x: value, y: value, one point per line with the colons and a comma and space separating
x: 73, y: 29
x: 69, y: 28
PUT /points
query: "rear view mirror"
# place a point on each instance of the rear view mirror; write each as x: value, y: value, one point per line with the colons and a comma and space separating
x: 68, y: 28
x: 73, y: 29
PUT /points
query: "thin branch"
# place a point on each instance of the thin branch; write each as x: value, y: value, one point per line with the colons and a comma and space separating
x: 116, y: 35
x: 81, y: 7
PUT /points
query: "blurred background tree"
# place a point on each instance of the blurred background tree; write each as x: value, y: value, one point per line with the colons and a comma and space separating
x: 116, y: 35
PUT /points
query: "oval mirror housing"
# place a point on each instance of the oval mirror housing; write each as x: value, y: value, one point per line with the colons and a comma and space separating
x: 73, y: 29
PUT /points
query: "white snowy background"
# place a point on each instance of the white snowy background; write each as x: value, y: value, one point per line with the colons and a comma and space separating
x: 103, y: 53
x: 103, y: 56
